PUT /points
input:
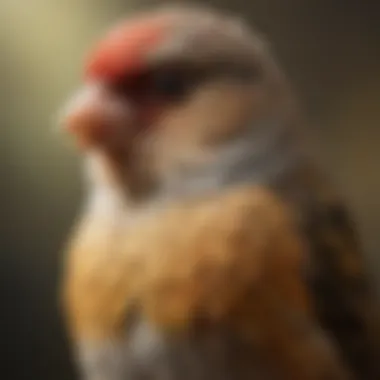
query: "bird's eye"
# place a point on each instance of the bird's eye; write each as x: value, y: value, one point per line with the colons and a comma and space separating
x: 166, y: 83
x: 170, y: 84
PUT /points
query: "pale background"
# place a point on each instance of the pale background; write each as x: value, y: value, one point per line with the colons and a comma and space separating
x: 330, y: 49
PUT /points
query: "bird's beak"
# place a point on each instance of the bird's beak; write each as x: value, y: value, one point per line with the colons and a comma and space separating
x: 96, y: 117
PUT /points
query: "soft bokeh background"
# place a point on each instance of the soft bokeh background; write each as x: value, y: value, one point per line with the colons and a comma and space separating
x: 330, y: 49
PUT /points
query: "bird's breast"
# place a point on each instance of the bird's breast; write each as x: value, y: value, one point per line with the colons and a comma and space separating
x: 169, y: 264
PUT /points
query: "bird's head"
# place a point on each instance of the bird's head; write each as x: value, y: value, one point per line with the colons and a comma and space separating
x: 168, y: 91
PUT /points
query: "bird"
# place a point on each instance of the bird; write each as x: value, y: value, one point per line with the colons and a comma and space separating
x: 210, y: 245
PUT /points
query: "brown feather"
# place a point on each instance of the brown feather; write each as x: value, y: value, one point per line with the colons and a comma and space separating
x: 234, y: 259
x: 345, y: 301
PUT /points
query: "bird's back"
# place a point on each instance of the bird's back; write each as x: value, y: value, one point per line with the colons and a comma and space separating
x: 347, y: 306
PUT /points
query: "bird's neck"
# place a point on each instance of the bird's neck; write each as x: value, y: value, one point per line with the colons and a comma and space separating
x: 108, y: 201
x: 262, y: 155
x: 105, y: 199
x: 259, y: 156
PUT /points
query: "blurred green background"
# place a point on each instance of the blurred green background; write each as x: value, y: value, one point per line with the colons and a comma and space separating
x: 329, y: 48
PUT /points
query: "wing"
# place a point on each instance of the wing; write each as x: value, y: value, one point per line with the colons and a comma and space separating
x: 208, y: 289
x: 345, y: 301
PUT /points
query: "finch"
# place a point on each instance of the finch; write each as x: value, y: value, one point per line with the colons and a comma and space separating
x: 210, y: 245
